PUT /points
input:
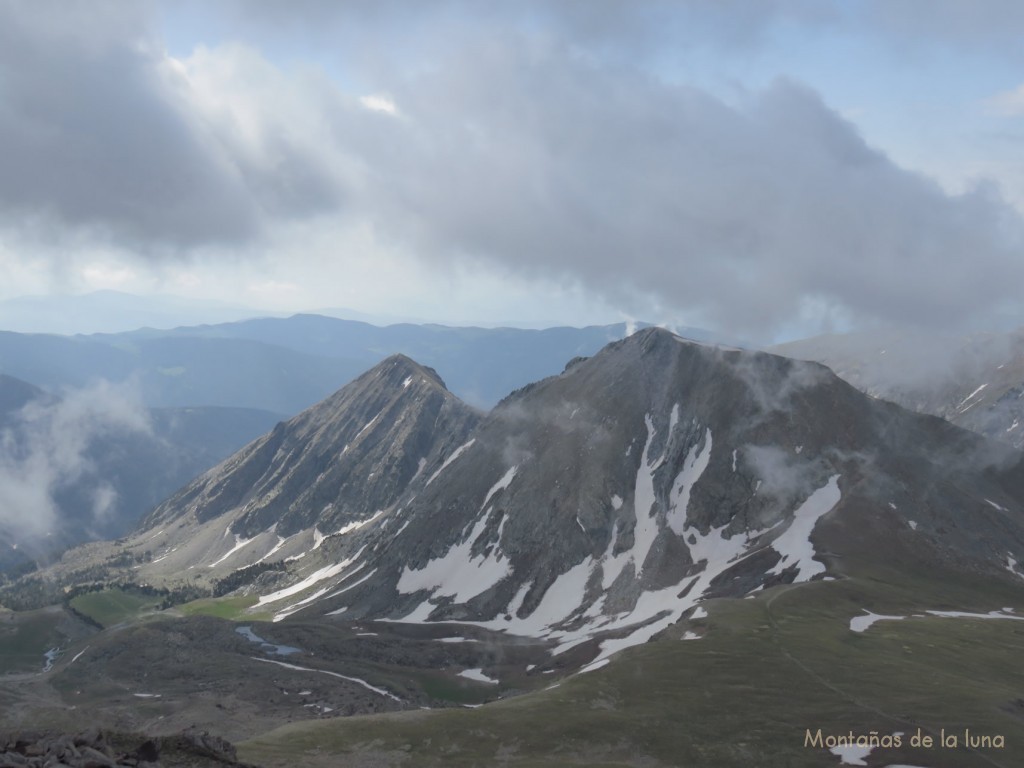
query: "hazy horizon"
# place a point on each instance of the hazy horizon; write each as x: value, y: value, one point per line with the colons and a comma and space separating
x: 770, y: 174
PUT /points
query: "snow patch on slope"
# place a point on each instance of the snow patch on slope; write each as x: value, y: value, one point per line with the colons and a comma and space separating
x: 861, y: 623
x: 567, y: 614
x: 239, y: 543
x: 327, y: 572
x: 794, y: 544
x: 967, y: 615
x: 501, y: 485
x: 346, y: 589
x: 369, y: 424
x: 478, y: 675
x: 355, y: 526
x: 1011, y: 566
x: 459, y: 573
x: 655, y: 610
x: 355, y: 680
x: 280, y: 543
x: 318, y: 538
x: 646, y: 530
x: 284, y: 613
x: 455, y: 454
x: 963, y: 406
x: 693, y: 467
x: 673, y: 418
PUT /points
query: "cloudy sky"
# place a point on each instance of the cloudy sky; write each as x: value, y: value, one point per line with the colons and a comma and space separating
x: 768, y: 169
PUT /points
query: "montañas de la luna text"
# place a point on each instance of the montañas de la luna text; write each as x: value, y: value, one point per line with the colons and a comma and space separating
x: 875, y: 739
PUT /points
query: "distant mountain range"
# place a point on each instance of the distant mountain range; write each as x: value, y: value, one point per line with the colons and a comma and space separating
x: 285, y: 365
x: 73, y: 470
x: 110, y: 311
x: 113, y: 311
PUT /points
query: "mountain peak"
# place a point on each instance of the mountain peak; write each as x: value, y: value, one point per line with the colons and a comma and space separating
x: 403, y: 370
x: 389, y: 427
x: 655, y: 337
x: 597, y: 506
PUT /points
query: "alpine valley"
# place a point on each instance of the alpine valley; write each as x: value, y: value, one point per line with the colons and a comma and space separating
x: 672, y: 553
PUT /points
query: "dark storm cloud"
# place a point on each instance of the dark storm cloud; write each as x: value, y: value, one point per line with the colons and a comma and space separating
x: 96, y: 133
x: 612, y: 24
x: 729, y: 24
x: 526, y: 157
x: 516, y: 145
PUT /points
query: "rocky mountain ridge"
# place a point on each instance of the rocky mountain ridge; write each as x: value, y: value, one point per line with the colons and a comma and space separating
x: 329, y: 471
x: 592, y: 508
x: 660, y: 491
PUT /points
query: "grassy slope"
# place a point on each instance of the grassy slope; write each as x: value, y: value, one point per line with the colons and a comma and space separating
x: 766, y: 670
x: 25, y: 637
x: 231, y: 608
x: 114, y: 606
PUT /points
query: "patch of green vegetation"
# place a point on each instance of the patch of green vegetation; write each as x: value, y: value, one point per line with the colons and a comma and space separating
x: 115, y: 606
x: 231, y: 608
x: 458, y: 691
x: 26, y: 637
x: 765, y: 672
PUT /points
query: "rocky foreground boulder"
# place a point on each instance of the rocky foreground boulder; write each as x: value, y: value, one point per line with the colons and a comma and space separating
x: 94, y: 748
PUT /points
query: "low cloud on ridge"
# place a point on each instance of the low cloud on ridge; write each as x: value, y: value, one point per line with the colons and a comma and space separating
x: 46, y: 448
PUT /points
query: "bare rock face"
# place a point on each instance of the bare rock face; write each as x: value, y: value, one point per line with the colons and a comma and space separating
x: 662, y: 464
x: 601, y: 504
x: 329, y: 470
x: 376, y: 429
x: 212, y: 746
x: 597, y: 506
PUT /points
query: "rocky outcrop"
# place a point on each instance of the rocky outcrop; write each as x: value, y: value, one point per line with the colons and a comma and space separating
x: 94, y: 748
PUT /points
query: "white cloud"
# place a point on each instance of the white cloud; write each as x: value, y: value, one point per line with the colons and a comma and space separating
x: 531, y: 157
x: 1009, y: 103
x: 46, y: 447
x: 379, y: 104
x: 100, y: 276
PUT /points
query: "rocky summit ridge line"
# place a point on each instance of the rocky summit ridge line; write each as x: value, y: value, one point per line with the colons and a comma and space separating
x: 329, y: 470
x: 608, y: 501
x: 593, y: 508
